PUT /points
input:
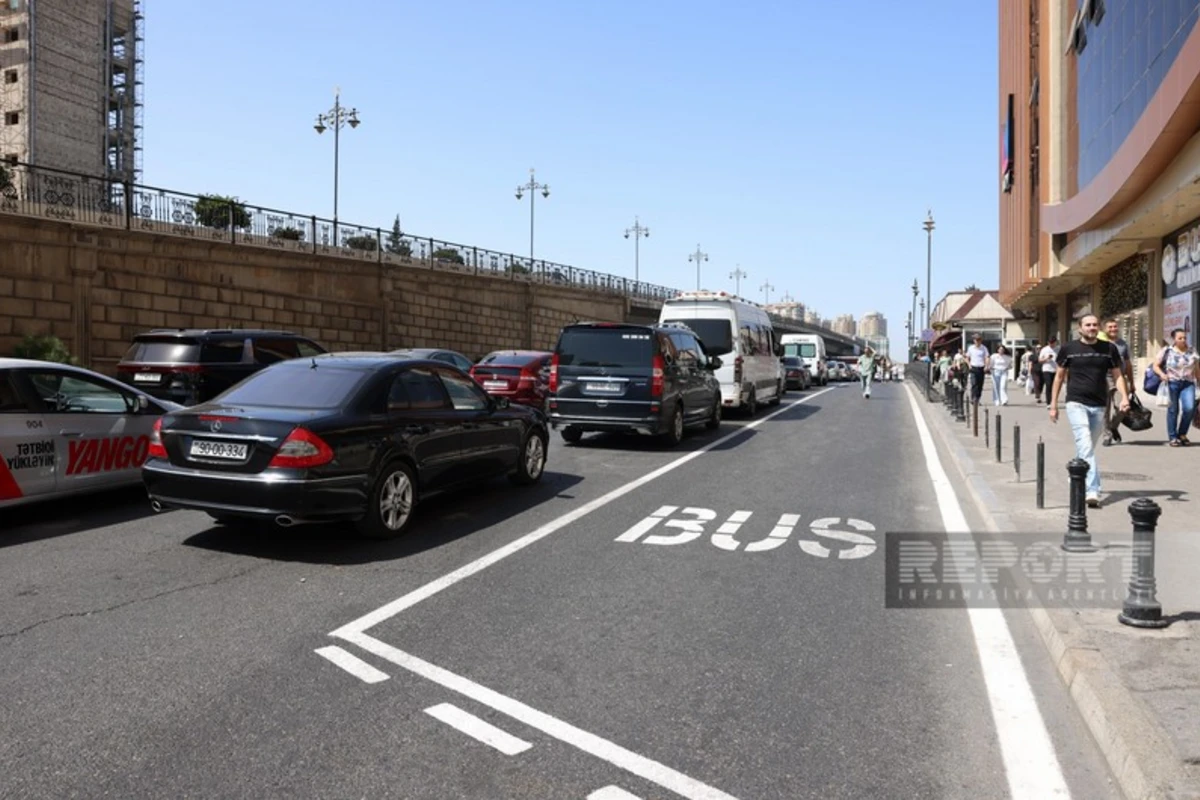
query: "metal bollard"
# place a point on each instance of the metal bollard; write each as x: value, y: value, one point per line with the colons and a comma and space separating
x: 1017, y: 450
x: 960, y: 413
x: 1141, y: 608
x: 986, y: 428
x: 974, y: 417
x: 1041, y: 473
x: 1077, y: 540
x: 998, y: 440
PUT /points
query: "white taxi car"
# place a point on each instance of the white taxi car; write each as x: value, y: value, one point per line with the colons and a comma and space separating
x: 66, y: 430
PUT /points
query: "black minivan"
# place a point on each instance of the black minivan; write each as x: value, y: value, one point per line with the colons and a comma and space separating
x: 647, y: 379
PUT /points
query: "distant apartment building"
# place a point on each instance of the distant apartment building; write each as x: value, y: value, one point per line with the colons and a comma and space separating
x: 812, y: 317
x: 872, y: 324
x: 788, y: 310
x: 845, y: 325
x: 71, y: 88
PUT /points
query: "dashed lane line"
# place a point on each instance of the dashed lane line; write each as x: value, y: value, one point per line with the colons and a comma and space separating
x: 478, y: 729
x: 352, y: 664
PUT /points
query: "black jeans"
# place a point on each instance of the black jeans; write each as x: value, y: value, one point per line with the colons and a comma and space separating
x: 976, y: 384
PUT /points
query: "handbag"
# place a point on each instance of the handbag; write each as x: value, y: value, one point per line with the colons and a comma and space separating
x: 1151, y: 381
x: 1138, y: 417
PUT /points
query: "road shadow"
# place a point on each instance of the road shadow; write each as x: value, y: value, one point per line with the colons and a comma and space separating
x: 436, y: 522
x: 1121, y: 495
x: 1182, y: 616
x: 50, y: 518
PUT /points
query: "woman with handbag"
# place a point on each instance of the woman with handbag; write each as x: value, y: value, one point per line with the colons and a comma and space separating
x: 1179, y: 368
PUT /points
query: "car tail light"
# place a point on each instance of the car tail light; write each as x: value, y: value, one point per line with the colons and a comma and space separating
x: 157, y: 449
x: 553, y: 386
x: 737, y: 370
x: 301, y: 449
x: 656, y: 377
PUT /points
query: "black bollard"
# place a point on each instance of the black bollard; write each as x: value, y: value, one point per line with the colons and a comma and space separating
x: 962, y: 405
x: 1142, y: 609
x: 1041, y: 473
x: 985, y: 428
x: 1017, y: 450
x: 998, y: 441
x: 974, y: 416
x: 1077, y: 540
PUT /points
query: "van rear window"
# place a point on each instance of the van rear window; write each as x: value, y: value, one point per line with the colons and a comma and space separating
x: 163, y: 351
x: 605, y: 347
x: 715, y: 334
x: 804, y: 350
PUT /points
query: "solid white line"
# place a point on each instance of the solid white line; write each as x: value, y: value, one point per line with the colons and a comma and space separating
x: 433, y: 587
x: 1030, y: 763
x: 587, y: 742
x: 476, y: 728
x: 352, y: 664
x: 612, y: 793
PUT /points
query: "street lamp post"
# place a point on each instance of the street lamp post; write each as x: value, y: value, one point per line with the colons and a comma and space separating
x: 908, y: 328
x: 698, y: 256
x: 335, y: 118
x: 927, y: 326
x: 532, y: 186
x: 637, y: 231
x: 928, y: 226
x: 767, y: 288
x: 737, y: 276
x: 913, y: 315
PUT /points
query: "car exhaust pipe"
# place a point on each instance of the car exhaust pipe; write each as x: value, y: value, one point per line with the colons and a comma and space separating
x: 155, y: 506
x: 284, y: 521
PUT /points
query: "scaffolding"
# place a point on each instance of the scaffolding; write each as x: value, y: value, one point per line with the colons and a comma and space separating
x: 123, y: 102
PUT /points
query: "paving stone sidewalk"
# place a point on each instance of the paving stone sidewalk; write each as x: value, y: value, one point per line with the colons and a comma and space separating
x: 1138, y: 690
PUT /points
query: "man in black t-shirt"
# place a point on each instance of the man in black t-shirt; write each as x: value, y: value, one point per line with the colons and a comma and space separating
x: 1085, y: 366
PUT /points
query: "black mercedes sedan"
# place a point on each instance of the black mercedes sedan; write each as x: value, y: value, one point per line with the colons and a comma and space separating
x: 358, y: 437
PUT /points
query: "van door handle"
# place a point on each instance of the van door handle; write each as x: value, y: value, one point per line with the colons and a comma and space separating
x: 70, y: 433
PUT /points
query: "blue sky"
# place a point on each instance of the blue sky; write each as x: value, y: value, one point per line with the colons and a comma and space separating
x: 801, y: 140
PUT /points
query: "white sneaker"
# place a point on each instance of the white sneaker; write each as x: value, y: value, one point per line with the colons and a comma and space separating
x: 1093, y: 500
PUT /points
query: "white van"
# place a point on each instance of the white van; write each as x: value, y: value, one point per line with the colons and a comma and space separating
x: 810, y: 347
x: 742, y: 335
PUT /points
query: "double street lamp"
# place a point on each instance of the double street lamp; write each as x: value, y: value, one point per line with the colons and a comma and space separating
x: 913, y: 321
x: 532, y: 186
x: 698, y: 256
x: 928, y: 226
x: 767, y: 288
x: 637, y: 231
x: 335, y: 118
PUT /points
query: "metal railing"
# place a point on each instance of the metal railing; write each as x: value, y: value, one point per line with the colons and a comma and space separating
x: 921, y: 374
x: 35, y: 191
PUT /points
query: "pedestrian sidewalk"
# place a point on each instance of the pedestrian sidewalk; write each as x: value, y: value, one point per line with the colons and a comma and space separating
x: 1137, y: 689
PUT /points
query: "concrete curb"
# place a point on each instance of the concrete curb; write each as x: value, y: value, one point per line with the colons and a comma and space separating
x: 1137, y: 748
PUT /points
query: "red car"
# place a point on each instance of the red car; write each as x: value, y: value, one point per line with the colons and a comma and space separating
x: 520, y: 375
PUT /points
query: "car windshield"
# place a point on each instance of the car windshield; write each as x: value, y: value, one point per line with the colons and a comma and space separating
x: 296, y: 387
x: 164, y: 351
x: 715, y: 334
x: 508, y: 359
x: 605, y: 347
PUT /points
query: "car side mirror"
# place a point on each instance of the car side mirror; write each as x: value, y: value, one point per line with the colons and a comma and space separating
x: 714, y: 363
x: 499, y: 402
x: 143, y: 403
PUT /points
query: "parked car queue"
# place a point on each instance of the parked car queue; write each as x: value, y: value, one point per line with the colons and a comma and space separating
x: 273, y: 428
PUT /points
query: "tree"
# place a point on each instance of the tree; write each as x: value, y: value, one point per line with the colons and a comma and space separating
x: 362, y: 242
x: 448, y: 254
x: 44, y: 348
x: 971, y: 288
x: 395, y: 241
x: 5, y: 178
x: 215, y: 211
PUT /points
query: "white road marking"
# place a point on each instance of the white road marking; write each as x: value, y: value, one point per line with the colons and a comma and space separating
x: 777, y: 536
x: 1030, y: 762
x: 723, y: 538
x: 692, y: 529
x: 645, y: 525
x: 352, y: 664
x: 863, y: 545
x: 612, y: 793
x: 409, y: 600
x: 476, y: 728
x: 590, y: 743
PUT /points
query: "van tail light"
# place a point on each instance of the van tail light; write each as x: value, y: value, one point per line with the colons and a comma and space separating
x: 157, y: 449
x: 656, y: 377
x: 302, y: 449
x: 737, y: 370
x: 553, y: 385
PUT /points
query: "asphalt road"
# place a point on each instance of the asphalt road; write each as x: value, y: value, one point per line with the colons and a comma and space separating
x: 552, y: 642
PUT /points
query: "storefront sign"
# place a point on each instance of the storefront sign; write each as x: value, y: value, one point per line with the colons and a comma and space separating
x: 1177, y: 313
x: 1181, y: 261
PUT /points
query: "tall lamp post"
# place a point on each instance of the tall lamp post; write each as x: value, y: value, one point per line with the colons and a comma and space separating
x: 767, y: 288
x: 928, y: 226
x: 698, y: 256
x: 908, y: 327
x: 637, y: 231
x: 737, y: 276
x: 913, y: 316
x: 335, y: 118
x: 927, y: 326
x: 532, y: 186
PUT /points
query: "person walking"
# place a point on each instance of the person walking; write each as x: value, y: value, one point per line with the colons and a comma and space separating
x: 866, y: 371
x: 1035, y: 369
x: 998, y: 365
x: 1048, y: 365
x: 1084, y: 365
x: 1179, y: 366
x: 1112, y: 413
x: 977, y: 358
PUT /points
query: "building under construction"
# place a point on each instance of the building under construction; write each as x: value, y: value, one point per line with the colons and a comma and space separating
x: 71, y: 92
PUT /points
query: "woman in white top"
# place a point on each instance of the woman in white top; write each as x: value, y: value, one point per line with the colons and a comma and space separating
x: 999, y: 364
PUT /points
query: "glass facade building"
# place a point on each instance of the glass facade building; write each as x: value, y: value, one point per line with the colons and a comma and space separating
x: 1123, y: 50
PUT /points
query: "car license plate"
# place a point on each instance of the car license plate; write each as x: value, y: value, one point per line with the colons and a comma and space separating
x: 147, y: 377
x: 224, y: 450
x: 495, y: 384
x: 605, y: 388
